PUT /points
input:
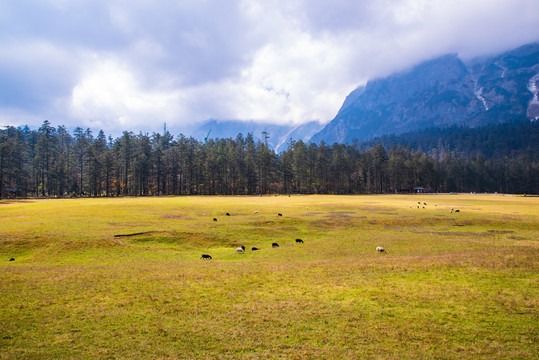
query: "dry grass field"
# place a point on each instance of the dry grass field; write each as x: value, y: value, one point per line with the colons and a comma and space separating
x: 122, y: 278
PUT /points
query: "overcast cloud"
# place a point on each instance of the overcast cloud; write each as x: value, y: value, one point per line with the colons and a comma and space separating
x: 132, y: 65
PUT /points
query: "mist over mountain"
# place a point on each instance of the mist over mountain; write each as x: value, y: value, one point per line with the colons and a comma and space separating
x: 278, y: 136
x: 439, y: 93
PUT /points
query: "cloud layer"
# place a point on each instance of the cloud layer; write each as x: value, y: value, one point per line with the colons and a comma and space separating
x: 132, y: 65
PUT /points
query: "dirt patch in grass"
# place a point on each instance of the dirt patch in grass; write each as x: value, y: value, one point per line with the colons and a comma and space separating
x: 464, y: 223
x: 344, y: 217
x: 456, y: 233
x: 500, y: 231
x: 461, y: 233
x: 331, y: 223
x: 136, y: 234
x: 130, y: 224
x: 378, y: 210
x: 177, y: 217
x: 338, y: 216
x: 7, y: 242
x: 515, y: 237
x: 287, y: 228
x: 262, y: 223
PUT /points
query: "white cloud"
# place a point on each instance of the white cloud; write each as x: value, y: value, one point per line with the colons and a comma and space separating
x: 109, y: 96
x: 118, y: 65
x: 296, y: 79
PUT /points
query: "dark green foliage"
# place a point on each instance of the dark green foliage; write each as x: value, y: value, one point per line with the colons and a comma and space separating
x: 492, y: 141
x: 50, y: 162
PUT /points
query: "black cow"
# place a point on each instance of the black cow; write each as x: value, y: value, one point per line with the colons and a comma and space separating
x: 279, y: 214
x: 227, y: 214
x: 274, y: 245
x: 12, y: 259
x: 299, y: 241
x: 254, y: 249
x: 205, y: 256
x: 214, y: 219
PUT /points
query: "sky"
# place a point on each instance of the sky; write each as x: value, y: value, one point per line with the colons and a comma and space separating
x: 133, y: 65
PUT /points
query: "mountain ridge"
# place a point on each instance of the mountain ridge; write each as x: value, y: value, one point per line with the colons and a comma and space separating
x: 277, y: 135
x: 438, y: 93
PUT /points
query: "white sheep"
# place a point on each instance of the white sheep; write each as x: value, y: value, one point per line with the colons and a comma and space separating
x: 381, y: 249
x: 240, y: 249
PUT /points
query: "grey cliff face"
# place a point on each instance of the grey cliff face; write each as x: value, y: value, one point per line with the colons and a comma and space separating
x: 440, y: 93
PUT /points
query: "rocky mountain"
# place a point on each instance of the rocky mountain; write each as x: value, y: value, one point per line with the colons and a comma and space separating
x: 279, y: 135
x: 439, y: 93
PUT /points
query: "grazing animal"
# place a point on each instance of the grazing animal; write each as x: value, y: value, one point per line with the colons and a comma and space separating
x: 299, y: 241
x: 254, y: 248
x: 205, y: 256
x: 457, y: 210
x: 214, y: 219
x: 227, y: 214
x: 381, y: 249
x: 12, y: 259
x: 274, y: 245
x: 256, y: 212
x: 424, y: 203
x: 279, y: 214
x: 419, y: 202
x: 240, y: 249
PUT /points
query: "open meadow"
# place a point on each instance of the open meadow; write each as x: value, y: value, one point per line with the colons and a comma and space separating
x: 123, y: 278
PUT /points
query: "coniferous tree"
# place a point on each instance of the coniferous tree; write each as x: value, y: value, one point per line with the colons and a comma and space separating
x: 51, y: 162
x: 45, y: 155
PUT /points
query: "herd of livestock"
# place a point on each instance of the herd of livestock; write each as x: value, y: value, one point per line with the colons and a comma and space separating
x: 241, y: 249
x: 379, y: 249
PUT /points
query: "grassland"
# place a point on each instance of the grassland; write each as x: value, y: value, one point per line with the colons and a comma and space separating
x: 452, y: 285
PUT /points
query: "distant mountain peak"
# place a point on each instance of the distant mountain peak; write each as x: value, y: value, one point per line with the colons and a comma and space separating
x: 438, y: 93
x: 279, y: 135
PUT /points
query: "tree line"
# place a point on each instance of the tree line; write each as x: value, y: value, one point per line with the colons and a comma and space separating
x: 51, y: 162
x: 493, y: 141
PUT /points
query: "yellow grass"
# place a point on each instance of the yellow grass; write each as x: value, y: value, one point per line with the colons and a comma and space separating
x: 452, y: 285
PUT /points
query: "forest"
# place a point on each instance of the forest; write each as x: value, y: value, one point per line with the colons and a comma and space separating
x: 52, y: 162
x: 493, y: 141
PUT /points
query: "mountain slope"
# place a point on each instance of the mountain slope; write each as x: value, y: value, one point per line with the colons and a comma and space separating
x: 493, y: 142
x: 279, y: 135
x: 439, y: 93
